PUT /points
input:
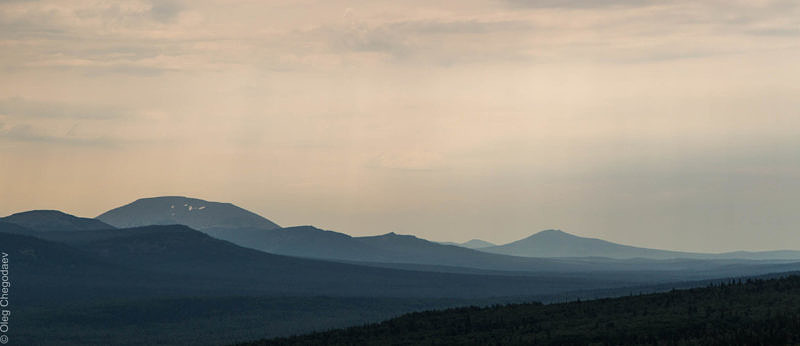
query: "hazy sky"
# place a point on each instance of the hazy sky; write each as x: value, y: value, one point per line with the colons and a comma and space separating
x: 669, y: 124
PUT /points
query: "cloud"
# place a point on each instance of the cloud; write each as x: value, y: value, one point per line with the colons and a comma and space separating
x: 27, y: 133
x: 409, y: 160
x: 151, y: 38
x: 779, y: 32
x: 21, y: 108
x: 165, y: 10
x: 436, y: 41
x: 589, y: 4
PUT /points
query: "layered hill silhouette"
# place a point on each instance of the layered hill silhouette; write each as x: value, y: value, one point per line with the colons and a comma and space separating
x: 136, y: 267
x: 177, y: 260
x: 54, y: 220
x: 302, y: 241
x: 174, y: 260
x: 247, y: 229
x: 556, y: 243
x: 547, y: 251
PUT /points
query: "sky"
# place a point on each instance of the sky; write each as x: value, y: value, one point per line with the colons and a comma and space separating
x: 666, y: 124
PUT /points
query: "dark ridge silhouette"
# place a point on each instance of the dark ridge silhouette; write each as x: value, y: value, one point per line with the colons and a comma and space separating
x: 99, y: 274
x: 390, y: 251
x: 192, y: 212
x: 301, y: 241
x: 54, y: 220
x: 411, y: 253
x: 176, y: 260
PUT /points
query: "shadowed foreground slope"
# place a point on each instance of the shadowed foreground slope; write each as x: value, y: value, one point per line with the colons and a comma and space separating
x: 750, y: 313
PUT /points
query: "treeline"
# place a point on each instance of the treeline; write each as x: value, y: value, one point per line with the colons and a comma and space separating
x: 751, y: 312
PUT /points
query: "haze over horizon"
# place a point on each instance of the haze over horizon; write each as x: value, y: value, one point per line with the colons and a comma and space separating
x: 670, y: 125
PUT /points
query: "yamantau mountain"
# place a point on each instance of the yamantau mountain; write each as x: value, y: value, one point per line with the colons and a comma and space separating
x: 195, y: 213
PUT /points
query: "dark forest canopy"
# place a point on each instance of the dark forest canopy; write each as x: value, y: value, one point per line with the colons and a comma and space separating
x: 738, y: 312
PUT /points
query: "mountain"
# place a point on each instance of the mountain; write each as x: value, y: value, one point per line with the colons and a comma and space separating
x: 249, y: 230
x: 301, y: 241
x: 472, y: 244
x: 104, y: 278
x: 195, y: 213
x: 476, y: 244
x: 556, y: 243
x: 228, y: 222
x: 174, y: 260
x: 54, y: 220
x: 410, y: 249
x: 315, y: 243
x: 408, y: 252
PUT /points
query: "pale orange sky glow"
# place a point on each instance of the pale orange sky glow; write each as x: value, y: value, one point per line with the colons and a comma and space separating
x: 668, y: 124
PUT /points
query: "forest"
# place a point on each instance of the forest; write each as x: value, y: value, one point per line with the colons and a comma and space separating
x: 737, y: 312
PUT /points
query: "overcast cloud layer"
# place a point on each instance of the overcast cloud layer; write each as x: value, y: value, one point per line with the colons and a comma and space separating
x: 669, y: 124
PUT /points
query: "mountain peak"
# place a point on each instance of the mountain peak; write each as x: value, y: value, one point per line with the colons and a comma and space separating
x: 557, y: 243
x: 476, y: 244
x: 553, y: 231
x: 552, y: 234
x: 39, y: 212
x: 171, y: 199
x: 396, y: 235
x: 193, y: 212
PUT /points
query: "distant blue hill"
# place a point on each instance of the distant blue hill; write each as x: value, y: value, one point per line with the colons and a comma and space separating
x: 556, y: 243
x: 471, y: 244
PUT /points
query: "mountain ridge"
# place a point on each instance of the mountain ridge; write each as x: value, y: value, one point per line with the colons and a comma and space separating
x: 557, y: 243
x: 54, y: 220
